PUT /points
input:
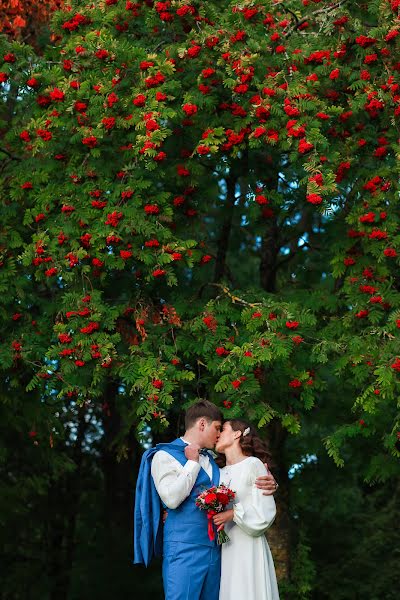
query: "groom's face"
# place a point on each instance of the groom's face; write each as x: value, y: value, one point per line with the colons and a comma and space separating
x: 211, y: 433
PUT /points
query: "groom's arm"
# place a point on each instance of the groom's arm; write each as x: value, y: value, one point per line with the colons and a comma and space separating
x: 266, y: 483
x: 173, y: 481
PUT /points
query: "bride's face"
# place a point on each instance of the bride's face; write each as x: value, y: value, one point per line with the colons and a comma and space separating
x: 227, y: 438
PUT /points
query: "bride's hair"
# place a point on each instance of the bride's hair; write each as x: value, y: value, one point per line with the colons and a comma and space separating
x: 251, y: 444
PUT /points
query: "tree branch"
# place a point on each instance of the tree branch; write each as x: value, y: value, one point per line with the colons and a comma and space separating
x: 12, y: 156
x: 313, y: 14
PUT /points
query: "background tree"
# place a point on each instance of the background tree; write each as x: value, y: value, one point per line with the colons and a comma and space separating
x: 201, y: 198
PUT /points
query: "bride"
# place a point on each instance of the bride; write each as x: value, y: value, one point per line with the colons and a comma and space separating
x: 247, y: 569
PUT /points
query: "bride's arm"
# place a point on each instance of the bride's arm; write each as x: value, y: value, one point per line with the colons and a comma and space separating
x: 257, y: 513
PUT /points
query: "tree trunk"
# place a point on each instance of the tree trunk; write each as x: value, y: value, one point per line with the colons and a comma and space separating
x: 279, y: 535
x: 64, y: 497
x: 225, y: 231
x: 269, y: 257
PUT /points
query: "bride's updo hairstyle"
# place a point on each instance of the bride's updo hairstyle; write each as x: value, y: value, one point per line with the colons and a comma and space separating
x: 251, y: 444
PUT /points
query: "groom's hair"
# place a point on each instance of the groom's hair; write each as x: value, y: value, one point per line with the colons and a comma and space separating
x: 202, y: 408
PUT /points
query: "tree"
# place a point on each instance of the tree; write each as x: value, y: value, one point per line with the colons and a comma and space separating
x: 26, y: 19
x: 158, y: 147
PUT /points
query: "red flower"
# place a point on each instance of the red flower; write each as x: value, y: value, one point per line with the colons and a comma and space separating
x: 157, y: 383
x: 377, y: 234
x: 223, y: 498
x: 24, y: 136
x: 64, y: 338
x: 221, y: 351
x: 44, y: 134
x: 184, y: 10
x: 273, y: 135
x: 114, y: 218
x: 125, y: 254
x: 390, y: 252
x: 295, y: 383
x: 146, y: 64
x: 367, y: 218
x: 210, y: 498
x: 10, y: 57
x: 392, y: 35
x: 236, y: 383
x: 370, y: 58
x: 210, y: 322
x: 90, y: 141
x: 108, y: 122
x: 304, y: 146
x: 396, y: 365
x: 152, y: 243
x: 256, y: 315
x: 362, y: 314
x: 102, y: 54
x: 261, y: 199
x: 154, y: 81
x: 50, y: 272
x: 189, y: 109
x: 140, y: 100
x: 96, y: 262
x: 151, y: 209
x: 205, y: 259
x: 182, y: 171
x: 349, y: 261
x: 158, y: 272
x: 193, y: 51
x: 203, y: 150
x: 314, y: 199
x: 90, y: 327
x: 297, y: 339
x: 57, y: 95
x: 364, y: 41
x: 292, y: 324
x: 79, y: 363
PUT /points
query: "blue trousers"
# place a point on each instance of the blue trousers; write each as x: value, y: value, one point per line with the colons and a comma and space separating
x: 191, y: 571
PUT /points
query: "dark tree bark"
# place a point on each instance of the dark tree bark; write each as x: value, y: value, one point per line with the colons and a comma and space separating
x: 279, y: 535
x: 225, y: 231
x: 64, y: 497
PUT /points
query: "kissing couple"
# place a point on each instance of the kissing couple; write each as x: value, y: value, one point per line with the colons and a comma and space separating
x: 172, y: 476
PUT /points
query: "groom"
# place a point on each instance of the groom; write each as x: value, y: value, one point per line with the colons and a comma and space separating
x: 171, y: 476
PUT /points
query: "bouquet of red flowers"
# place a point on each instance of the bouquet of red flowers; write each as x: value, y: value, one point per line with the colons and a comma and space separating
x: 215, y: 500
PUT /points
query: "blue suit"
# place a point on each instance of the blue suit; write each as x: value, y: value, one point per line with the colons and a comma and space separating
x: 191, y: 561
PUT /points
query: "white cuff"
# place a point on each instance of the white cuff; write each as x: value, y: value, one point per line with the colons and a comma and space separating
x: 191, y: 467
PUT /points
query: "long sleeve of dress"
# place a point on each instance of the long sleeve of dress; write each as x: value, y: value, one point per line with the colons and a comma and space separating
x: 173, y: 481
x: 257, y: 512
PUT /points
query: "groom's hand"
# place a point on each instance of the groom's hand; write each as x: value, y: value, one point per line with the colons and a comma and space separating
x: 192, y: 452
x: 266, y: 483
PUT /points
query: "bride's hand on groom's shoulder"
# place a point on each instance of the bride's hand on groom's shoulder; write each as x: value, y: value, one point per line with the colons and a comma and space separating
x: 223, y: 517
x: 266, y: 483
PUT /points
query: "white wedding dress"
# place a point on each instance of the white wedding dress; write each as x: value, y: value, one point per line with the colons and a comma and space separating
x: 248, y: 571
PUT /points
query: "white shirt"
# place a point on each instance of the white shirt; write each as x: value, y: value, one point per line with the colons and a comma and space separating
x: 173, y: 481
